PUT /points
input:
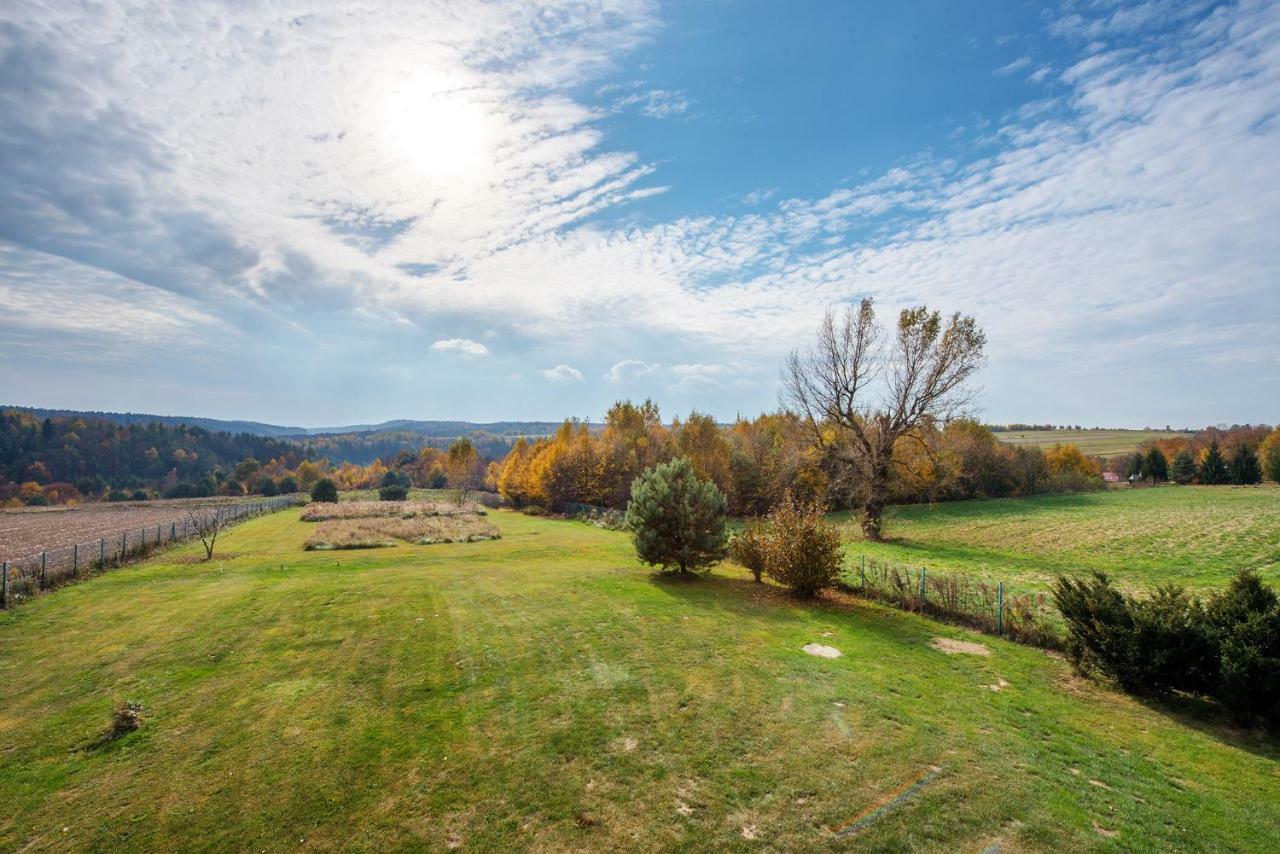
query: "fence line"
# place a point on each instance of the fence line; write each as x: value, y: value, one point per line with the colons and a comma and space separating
x: 988, y: 607
x: 22, y: 578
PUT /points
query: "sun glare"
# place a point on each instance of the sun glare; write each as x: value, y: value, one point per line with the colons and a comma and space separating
x: 443, y: 132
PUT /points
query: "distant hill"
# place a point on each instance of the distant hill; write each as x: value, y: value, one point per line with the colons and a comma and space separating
x: 430, y: 429
x: 443, y: 429
x: 255, y: 428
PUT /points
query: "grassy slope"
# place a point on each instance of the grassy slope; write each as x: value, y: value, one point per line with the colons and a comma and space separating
x: 544, y: 691
x: 1102, y: 443
x: 1197, y: 536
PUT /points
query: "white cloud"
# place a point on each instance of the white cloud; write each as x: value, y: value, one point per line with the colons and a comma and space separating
x: 563, y: 373
x: 657, y: 103
x: 629, y: 369
x: 260, y: 163
x: 462, y: 346
x: 1014, y: 67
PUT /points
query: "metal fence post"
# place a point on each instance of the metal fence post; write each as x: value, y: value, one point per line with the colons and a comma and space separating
x: 75, y: 559
x: 42, y: 557
x: 1000, y: 609
x: 173, y: 531
x: 924, y: 589
x: 102, y: 553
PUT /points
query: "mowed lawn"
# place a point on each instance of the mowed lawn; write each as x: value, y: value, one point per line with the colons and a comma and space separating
x: 1197, y: 536
x: 546, y: 692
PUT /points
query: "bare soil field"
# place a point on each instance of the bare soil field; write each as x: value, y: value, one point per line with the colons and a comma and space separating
x: 29, y: 531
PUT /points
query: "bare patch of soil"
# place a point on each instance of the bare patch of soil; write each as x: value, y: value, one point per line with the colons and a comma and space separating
x: 958, y: 647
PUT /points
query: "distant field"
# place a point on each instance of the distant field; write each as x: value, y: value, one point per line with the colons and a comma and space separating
x: 1192, y: 535
x: 28, y: 531
x: 1102, y: 443
x: 545, y: 692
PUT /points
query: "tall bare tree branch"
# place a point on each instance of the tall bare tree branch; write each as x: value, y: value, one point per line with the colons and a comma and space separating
x: 858, y: 394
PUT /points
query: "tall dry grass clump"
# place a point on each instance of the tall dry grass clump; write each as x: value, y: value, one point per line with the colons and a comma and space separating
x: 321, y: 512
x: 378, y: 532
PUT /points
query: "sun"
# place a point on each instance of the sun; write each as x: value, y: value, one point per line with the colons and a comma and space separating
x: 443, y: 131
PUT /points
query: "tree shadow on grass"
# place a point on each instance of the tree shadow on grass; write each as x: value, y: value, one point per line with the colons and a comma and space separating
x: 746, y: 598
x: 1206, y: 716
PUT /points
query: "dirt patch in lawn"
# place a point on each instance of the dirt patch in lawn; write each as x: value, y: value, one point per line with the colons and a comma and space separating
x: 958, y: 647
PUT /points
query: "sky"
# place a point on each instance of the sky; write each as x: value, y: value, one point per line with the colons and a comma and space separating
x: 326, y: 213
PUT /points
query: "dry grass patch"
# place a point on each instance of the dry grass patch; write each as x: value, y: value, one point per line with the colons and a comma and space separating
x: 324, y: 511
x: 387, y: 531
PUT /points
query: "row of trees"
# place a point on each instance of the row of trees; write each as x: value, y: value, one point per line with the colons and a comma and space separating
x: 1240, y: 465
x: 872, y: 420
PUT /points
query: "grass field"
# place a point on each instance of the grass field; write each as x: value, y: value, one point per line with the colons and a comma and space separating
x: 1192, y: 535
x: 1101, y: 443
x: 545, y: 692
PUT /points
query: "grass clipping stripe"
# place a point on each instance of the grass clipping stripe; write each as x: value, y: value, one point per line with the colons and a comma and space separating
x: 384, y: 531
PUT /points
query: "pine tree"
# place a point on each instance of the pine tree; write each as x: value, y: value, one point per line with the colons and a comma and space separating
x: 1134, y: 467
x: 1244, y: 467
x: 1213, y: 468
x: 1155, y: 465
x: 1184, y: 467
x: 676, y: 520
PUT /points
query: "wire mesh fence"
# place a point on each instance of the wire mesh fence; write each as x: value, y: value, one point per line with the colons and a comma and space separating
x: 991, y: 607
x: 23, y: 578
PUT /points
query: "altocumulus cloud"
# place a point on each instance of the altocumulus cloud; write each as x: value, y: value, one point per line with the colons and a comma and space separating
x: 461, y: 346
x: 261, y: 165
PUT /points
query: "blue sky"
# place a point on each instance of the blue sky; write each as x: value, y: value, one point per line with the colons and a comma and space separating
x: 322, y: 213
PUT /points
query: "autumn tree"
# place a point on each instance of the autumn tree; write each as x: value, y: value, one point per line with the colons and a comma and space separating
x: 859, y: 394
x: 465, y: 467
x: 1269, y: 454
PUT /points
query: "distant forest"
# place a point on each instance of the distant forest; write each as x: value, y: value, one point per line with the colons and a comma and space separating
x: 80, y: 454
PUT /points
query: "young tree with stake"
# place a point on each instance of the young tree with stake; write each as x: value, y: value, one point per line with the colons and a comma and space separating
x: 859, y: 394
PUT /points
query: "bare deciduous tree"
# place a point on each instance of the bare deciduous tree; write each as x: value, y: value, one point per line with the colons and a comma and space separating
x: 859, y: 394
x: 207, y: 523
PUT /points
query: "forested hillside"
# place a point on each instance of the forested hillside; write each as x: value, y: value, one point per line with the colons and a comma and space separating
x: 88, y: 455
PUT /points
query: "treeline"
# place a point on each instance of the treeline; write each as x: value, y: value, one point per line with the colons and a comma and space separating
x: 56, y: 460
x: 756, y: 462
x: 364, y: 448
x: 1241, y: 454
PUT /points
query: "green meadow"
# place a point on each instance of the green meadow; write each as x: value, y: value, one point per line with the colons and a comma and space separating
x: 1196, y: 536
x: 546, y: 692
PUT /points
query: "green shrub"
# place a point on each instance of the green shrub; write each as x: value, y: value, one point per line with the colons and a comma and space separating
x: 140, y: 495
x: 266, y: 486
x: 802, y: 551
x: 287, y: 486
x: 393, y: 492
x: 325, y: 490
x: 38, y: 501
x: 749, y: 547
x: 117, y: 495
x: 1244, y: 621
x: 1099, y: 626
x: 1228, y: 648
x: 676, y: 519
